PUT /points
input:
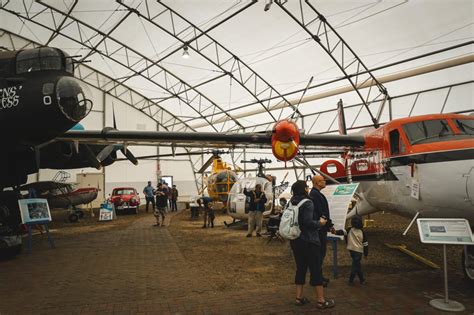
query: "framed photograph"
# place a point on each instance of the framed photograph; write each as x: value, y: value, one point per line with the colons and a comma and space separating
x: 34, y: 210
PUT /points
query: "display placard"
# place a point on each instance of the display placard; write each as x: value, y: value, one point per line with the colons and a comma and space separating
x: 34, y: 210
x: 445, y: 231
x: 339, y: 197
x: 106, y: 212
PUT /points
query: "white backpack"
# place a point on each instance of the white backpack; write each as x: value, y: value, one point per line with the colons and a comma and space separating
x: 289, y: 227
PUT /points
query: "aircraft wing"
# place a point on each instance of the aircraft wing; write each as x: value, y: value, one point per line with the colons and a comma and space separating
x: 44, y: 186
x: 204, y: 139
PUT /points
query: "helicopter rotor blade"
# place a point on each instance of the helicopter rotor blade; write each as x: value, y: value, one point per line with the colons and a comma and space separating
x: 206, y: 165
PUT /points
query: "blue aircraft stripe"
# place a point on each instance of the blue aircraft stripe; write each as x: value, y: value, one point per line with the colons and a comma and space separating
x: 77, y: 127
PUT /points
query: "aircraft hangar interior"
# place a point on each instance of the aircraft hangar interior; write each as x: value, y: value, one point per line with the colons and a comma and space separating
x: 213, y: 156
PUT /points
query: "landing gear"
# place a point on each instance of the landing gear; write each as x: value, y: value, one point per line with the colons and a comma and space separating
x: 10, y: 231
x: 468, y: 262
x: 75, y: 214
x: 73, y: 218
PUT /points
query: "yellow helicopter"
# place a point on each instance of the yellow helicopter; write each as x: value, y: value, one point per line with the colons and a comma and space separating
x: 221, y: 179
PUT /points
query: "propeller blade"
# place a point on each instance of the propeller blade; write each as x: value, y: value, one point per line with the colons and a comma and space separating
x: 206, y: 165
x: 91, y: 156
x: 105, y: 152
x: 129, y: 156
x: 113, y: 115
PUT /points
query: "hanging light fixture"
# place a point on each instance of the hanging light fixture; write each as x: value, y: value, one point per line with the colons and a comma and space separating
x: 185, y: 52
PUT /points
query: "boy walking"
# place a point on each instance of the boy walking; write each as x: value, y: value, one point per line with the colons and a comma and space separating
x: 357, y: 245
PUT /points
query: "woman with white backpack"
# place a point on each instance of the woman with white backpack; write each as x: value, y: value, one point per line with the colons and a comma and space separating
x: 306, y: 246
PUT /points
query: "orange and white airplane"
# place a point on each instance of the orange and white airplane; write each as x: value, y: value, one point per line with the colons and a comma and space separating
x: 419, y: 164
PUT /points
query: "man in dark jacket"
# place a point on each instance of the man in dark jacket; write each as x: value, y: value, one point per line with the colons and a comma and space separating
x: 205, y: 203
x: 256, y: 208
x: 161, y: 204
x: 174, y: 199
x: 322, y: 209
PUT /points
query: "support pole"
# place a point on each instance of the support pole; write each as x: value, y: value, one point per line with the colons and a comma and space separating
x: 446, y: 304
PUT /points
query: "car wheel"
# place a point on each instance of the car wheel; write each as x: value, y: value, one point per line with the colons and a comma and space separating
x: 73, y: 218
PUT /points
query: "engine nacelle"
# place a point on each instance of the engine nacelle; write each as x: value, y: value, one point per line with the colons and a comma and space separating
x: 285, y: 140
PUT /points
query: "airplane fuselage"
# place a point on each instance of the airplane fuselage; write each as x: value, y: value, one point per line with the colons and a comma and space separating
x: 39, y: 100
x: 436, y: 189
x: 421, y: 164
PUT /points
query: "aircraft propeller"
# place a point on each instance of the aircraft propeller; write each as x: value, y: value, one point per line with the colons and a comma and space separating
x: 105, y: 152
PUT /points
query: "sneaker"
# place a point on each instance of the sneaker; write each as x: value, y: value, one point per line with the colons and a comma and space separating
x: 204, y: 226
x: 259, y: 235
x: 329, y: 303
x: 350, y: 283
x: 249, y: 235
x: 363, y: 283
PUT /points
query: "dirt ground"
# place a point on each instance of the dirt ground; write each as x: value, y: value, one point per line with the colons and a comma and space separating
x: 252, y: 262
x: 130, y: 266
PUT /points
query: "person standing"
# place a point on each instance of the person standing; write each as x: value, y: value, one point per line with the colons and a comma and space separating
x: 256, y: 208
x: 322, y: 209
x: 174, y: 198
x: 306, y: 247
x: 357, y: 245
x: 205, y: 203
x: 166, y: 190
x: 161, y: 203
x: 149, y: 193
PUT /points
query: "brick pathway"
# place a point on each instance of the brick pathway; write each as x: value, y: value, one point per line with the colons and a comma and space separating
x: 140, y: 270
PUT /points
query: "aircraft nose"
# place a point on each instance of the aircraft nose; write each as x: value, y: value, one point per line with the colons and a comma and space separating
x: 74, y: 98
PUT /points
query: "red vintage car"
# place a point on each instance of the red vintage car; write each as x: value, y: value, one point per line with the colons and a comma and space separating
x: 125, y: 199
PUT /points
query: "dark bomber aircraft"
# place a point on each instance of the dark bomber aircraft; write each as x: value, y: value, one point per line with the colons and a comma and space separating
x: 39, y: 100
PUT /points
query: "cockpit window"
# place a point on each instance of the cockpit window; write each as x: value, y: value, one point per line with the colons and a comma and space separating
x: 44, y: 58
x: 466, y: 126
x: 428, y: 131
x: 69, y: 63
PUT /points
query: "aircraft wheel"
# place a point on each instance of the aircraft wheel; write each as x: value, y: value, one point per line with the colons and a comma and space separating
x: 80, y: 214
x: 16, y: 250
x: 73, y: 218
x: 8, y: 253
x: 468, y: 262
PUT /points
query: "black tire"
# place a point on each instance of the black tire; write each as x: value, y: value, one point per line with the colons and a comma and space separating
x: 80, y: 214
x: 73, y: 218
x: 11, y: 252
x: 468, y: 273
x: 16, y: 250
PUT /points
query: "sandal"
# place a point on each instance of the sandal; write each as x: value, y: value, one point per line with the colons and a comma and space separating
x: 329, y: 303
x: 301, y: 301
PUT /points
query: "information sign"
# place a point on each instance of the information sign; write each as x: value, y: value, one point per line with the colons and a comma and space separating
x: 445, y: 231
x: 34, y: 210
x: 106, y: 212
x: 339, y: 197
